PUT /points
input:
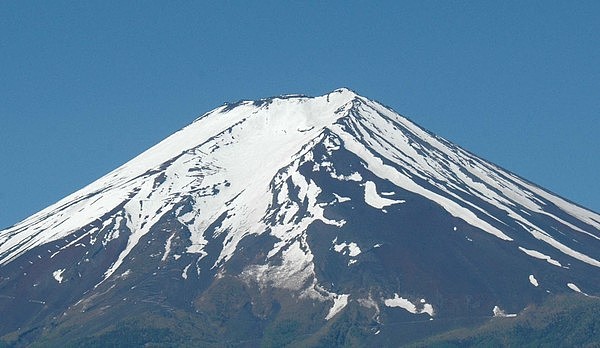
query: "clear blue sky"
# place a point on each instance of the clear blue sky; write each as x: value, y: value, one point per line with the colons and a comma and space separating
x: 86, y: 86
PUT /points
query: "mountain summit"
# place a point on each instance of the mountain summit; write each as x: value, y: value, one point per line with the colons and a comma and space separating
x: 294, y: 219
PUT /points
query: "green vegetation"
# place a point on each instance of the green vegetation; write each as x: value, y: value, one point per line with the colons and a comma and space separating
x: 348, y: 330
x: 562, y: 321
x: 281, y: 334
x: 131, y: 336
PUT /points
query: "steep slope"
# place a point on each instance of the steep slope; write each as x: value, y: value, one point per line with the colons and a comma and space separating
x: 297, y: 215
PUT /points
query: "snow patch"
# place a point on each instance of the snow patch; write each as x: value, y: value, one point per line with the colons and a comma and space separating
x: 167, y: 248
x: 428, y: 308
x: 341, y: 199
x: 58, y: 275
x: 498, y: 312
x: 539, y: 255
x: 351, y: 248
x: 339, y: 302
x: 184, y: 274
x: 533, y: 281
x: 352, y: 177
x: 296, y: 267
x: 401, y: 302
x: 576, y: 288
x: 375, y: 200
x: 405, y: 304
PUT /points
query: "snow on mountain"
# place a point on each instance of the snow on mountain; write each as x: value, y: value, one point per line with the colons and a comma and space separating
x: 295, y: 193
x: 233, y: 150
x: 236, y: 150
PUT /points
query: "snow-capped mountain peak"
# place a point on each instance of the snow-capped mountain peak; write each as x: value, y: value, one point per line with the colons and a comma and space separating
x: 301, y: 194
x: 246, y: 139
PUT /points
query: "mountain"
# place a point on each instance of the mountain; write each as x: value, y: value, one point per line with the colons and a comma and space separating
x: 293, y: 220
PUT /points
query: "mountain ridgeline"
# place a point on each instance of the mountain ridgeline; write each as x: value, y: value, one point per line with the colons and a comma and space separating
x: 300, y: 221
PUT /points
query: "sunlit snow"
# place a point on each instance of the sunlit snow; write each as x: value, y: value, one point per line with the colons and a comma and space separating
x: 339, y: 302
x: 233, y: 166
x: 58, y: 275
x: 184, y: 274
x: 533, y: 281
x: 373, y: 199
x: 351, y: 248
x: 341, y: 199
x: 498, y: 312
x: 576, y: 288
x: 539, y: 255
x: 398, y: 301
